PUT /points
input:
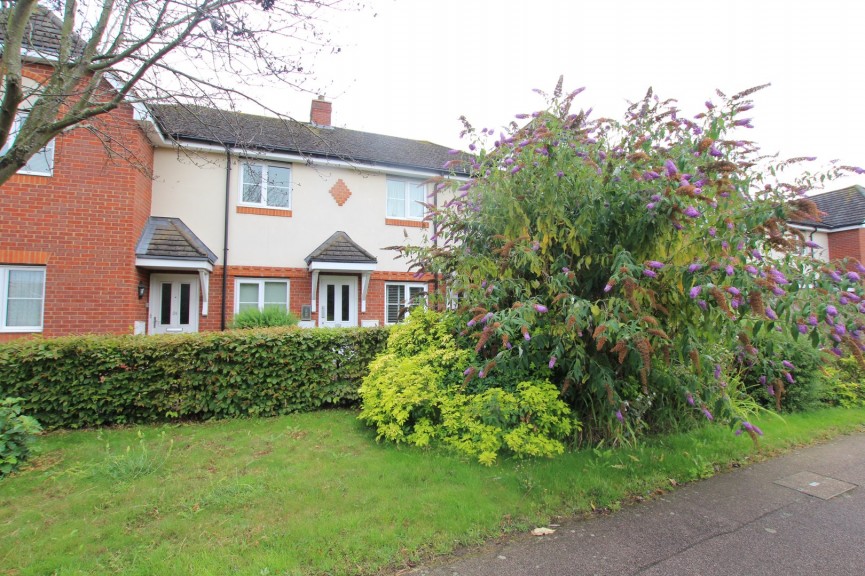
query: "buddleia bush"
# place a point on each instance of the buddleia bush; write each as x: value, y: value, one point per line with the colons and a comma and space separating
x: 617, y: 257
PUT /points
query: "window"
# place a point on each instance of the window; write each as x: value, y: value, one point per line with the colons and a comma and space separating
x: 22, y: 298
x: 261, y: 294
x: 265, y: 185
x: 405, y: 198
x: 41, y: 163
x: 398, y: 298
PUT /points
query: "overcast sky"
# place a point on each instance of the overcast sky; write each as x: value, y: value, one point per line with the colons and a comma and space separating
x: 410, y: 68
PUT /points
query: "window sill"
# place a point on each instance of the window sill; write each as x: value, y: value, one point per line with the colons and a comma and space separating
x: 406, y: 223
x: 264, y: 211
x: 22, y: 330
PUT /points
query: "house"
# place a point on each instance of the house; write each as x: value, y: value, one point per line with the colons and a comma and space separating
x: 841, y: 229
x: 225, y: 211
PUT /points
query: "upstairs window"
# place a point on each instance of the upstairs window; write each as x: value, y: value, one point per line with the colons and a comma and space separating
x: 399, y: 298
x: 22, y: 298
x: 405, y: 198
x: 265, y: 185
x: 41, y: 163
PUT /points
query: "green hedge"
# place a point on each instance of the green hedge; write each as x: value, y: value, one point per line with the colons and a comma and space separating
x: 86, y: 381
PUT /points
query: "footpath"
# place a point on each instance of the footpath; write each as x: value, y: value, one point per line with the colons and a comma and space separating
x: 799, y: 514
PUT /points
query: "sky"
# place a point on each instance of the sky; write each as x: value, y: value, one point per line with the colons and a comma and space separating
x: 411, y: 68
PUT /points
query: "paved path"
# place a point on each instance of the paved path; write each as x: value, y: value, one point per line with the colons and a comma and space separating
x: 739, y: 523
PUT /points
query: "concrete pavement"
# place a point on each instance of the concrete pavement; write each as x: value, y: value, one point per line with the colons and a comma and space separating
x: 799, y: 514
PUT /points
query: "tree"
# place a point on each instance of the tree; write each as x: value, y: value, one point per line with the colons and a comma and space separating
x: 99, y: 54
x: 644, y: 266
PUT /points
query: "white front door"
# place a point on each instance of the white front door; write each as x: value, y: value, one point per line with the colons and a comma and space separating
x: 173, y: 304
x: 337, y: 301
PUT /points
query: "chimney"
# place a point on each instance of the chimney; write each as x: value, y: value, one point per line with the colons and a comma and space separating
x: 319, y: 113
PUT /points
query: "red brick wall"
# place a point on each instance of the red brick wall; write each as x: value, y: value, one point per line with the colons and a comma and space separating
x: 847, y: 244
x: 300, y: 285
x: 87, y: 218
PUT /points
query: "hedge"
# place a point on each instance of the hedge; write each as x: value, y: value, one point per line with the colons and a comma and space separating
x: 87, y: 381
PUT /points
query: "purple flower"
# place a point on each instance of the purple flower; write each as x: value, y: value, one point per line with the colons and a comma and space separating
x: 560, y: 173
x: 656, y: 197
x: 730, y: 270
x: 717, y: 371
x: 709, y: 105
x: 835, y: 276
x: 690, y: 398
x: 789, y: 377
x: 831, y: 310
x: 852, y: 276
x: 751, y: 270
x: 650, y: 206
x: 842, y: 300
x: 714, y: 151
x: 733, y: 290
x: 712, y: 231
x: 691, y: 212
x: 802, y: 329
x: 619, y: 416
x: 811, y: 244
x: 736, y: 302
x: 788, y: 365
x: 812, y: 320
x: 655, y: 264
x: 694, y: 267
x: 508, y: 345
x: 840, y: 329
x: 837, y: 352
x: 770, y: 314
x: 516, y: 169
x: 482, y: 374
x: 670, y: 168
x: 650, y: 175
x: 468, y: 371
x: 762, y: 380
x: 650, y: 273
x: 487, y: 317
x: 756, y: 254
x: 552, y: 362
x: 695, y: 291
x: 541, y: 309
x: 527, y: 336
x: 471, y: 323
x: 702, y: 304
x: 536, y: 246
x: 745, y: 122
x: 777, y: 291
x: 770, y: 389
x: 608, y: 287
x: 724, y: 244
x: 707, y: 414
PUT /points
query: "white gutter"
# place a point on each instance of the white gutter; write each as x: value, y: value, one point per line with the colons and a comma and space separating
x: 308, y: 160
x: 818, y: 228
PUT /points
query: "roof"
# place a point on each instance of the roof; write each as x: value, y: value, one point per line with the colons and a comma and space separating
x: 171, y: 239
x: 43, y: 33
x: 341, y: 248
x: 272, y: 134
x: 842, y: 208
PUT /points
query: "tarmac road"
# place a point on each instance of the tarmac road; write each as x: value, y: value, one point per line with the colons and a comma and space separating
x: 799, y: 514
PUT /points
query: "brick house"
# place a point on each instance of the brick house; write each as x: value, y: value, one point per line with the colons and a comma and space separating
x: 841, y: 230
x: 224, y: 212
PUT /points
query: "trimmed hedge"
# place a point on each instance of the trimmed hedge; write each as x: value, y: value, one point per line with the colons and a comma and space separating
x: 86, y: 381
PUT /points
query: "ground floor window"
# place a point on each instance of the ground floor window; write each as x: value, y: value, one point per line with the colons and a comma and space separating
x: 22, y: 298
x: 260, y: 294
x: 399, y: 298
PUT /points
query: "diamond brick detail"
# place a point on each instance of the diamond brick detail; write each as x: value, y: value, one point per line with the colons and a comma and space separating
x: 340, y: 192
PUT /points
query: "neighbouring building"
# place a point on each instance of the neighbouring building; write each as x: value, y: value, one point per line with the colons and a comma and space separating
x: 841, y: 228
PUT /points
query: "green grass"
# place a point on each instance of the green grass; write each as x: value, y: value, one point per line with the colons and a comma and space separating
x: 314, y: 494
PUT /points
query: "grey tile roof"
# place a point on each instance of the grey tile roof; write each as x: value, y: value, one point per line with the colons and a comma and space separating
x: 43, y: 33
x: 271, y: 134
x: 171, y: 239
x: 841, y: 208
x: 341, y: 248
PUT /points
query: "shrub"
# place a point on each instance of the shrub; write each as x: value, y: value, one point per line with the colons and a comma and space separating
x: 614, y: 257
x: 87, y: 381
x: 414, y: 393
x: 270, y: 317
x: 16, y: 434
x: 845, y: 384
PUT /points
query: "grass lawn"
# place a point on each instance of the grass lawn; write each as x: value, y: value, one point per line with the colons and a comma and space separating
x: 314, y: 494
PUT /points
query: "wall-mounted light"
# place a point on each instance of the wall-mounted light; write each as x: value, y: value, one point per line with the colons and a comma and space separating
x: 141, y: 288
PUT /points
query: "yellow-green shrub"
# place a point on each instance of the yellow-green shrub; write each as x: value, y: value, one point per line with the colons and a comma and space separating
x: 414, y: 393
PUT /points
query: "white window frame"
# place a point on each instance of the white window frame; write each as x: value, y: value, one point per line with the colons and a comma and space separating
x: 4, y: 302
x: 407, y: 286
x: 48, y: 150
x: 408, y: 184
x: 261, y: 282
x: 264, y: 168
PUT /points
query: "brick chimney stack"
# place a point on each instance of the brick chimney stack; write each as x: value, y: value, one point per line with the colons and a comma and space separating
x: 319, y: 113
